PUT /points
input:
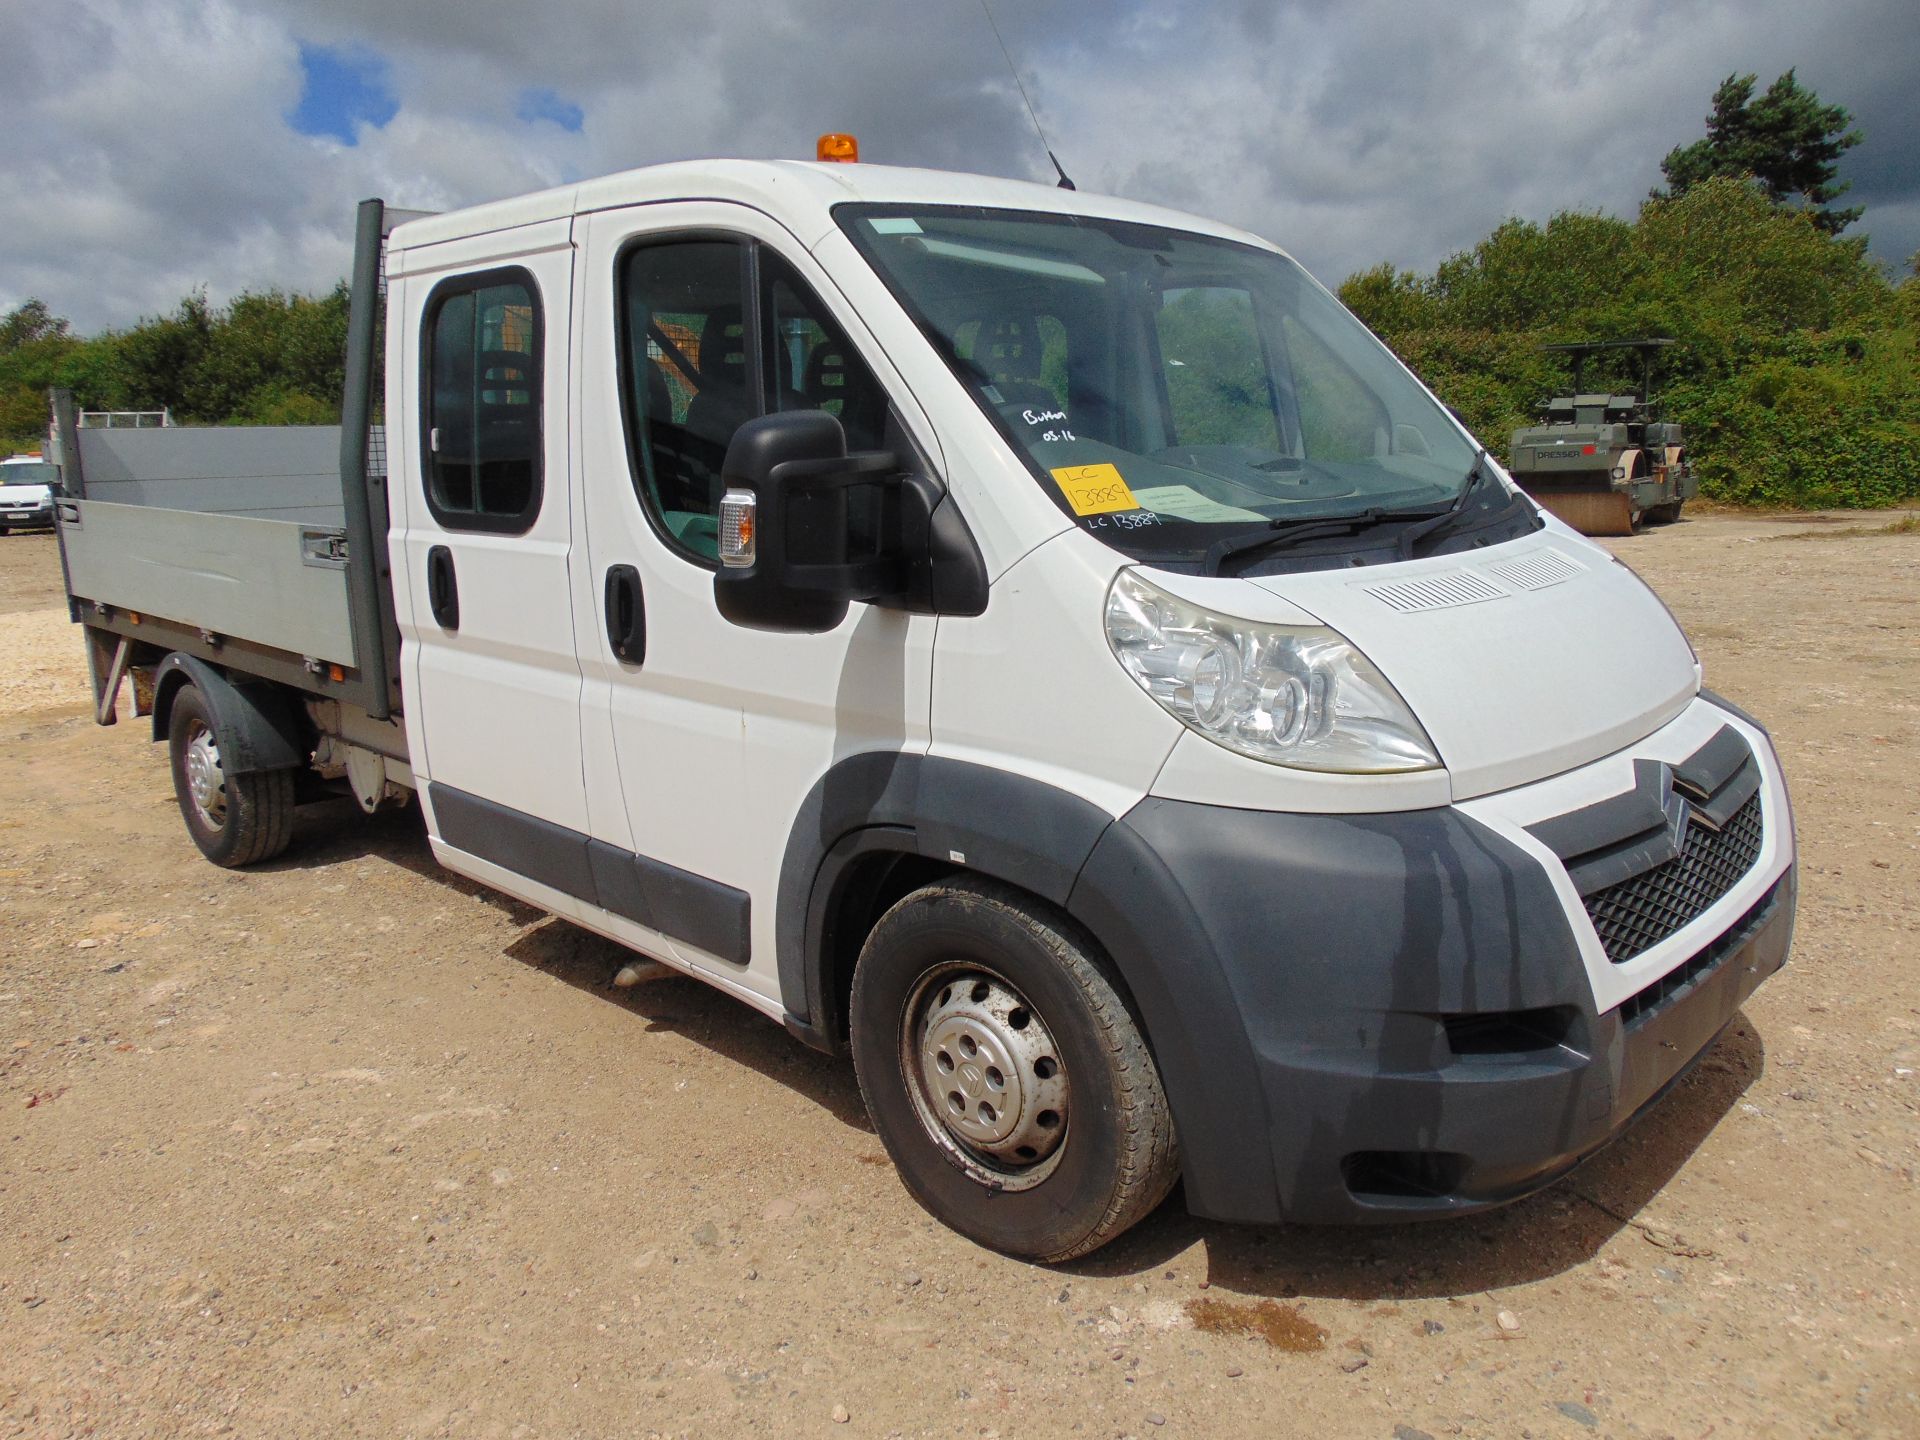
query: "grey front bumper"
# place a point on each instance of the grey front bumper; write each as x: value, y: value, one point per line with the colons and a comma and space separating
x: 1383, y: 1017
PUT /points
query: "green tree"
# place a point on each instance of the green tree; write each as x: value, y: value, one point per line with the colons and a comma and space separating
x: 34, y: 343
x: 1786, y: 141
x: 160, y: 360
x: 29, y: 323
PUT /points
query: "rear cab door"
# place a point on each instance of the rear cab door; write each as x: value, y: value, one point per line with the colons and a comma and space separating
x: 480, y: 338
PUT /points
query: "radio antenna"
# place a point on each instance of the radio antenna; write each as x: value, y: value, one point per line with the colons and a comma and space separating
x: 1014, y: 70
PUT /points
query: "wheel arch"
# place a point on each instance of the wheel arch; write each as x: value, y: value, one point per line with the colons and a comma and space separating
x: 879, y: 824
x: 258, y: 726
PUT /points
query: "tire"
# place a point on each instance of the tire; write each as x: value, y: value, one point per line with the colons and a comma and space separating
x: 235, y: 819
x: 1665, y: 514
x: 966, y: 963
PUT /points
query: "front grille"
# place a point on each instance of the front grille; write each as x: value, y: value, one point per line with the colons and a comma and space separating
x: 1639, y: 913
x: 1681, y: 980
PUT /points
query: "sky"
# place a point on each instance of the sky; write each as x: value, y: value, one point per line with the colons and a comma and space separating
x: 152, y: 147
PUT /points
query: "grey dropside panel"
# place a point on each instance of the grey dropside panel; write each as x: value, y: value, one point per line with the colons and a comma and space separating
x: 235, y: 575
x: 282, y: 472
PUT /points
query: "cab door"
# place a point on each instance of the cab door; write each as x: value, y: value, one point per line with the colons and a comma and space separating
x: 482, y: 549
x: 694, y: 318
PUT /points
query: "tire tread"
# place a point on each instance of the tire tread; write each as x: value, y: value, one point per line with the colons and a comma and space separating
x: 1149, y: 1150
x: 260, y: 804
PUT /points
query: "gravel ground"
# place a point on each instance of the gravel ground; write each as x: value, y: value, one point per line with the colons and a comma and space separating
x: 346, y: 1145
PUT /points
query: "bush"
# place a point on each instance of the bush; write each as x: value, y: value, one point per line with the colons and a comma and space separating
x: 267, y: 359
x: 1797, y: 375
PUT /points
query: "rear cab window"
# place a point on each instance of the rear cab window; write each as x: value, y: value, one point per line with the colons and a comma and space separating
x: 481, y: 402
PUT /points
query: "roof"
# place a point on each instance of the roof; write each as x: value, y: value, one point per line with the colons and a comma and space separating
x: 800, y: 194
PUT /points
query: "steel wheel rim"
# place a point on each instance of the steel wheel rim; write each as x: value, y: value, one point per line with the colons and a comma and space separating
x: 986, y: 1075
x: 206, y: 781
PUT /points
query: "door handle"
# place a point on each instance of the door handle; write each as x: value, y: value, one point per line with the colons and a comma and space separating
x: 443, y: 589
x: 626, y: 615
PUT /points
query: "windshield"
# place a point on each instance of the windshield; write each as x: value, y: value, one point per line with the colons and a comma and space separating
x: 29, y: 474
x: 1165, y: 388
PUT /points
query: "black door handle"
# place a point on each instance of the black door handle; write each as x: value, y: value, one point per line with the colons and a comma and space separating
x: 443, y: 590
x: 626, y: 615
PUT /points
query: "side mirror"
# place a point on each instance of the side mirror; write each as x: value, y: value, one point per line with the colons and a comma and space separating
x: 803, y: 524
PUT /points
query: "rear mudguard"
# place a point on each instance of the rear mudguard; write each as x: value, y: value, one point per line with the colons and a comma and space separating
x: 257, y: 726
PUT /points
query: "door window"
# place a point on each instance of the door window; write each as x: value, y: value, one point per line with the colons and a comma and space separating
x: 482, y: 402
x: 691, y: 374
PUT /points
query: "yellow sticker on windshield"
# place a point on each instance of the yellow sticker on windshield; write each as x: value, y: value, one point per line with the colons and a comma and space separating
x: 1094, y: 489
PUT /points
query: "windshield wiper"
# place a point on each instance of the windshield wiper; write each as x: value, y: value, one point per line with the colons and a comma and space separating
x: 1470, y: 482
x: 1287, y: 531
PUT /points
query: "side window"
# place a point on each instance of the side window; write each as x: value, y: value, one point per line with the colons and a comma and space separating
x: 692, y: 377
x: 685, y: 375
x: 1217, y: 383
x: 481, y: 402
x: 813, y: 366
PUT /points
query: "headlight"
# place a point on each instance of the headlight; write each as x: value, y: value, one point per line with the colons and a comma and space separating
x: 1295, y: 695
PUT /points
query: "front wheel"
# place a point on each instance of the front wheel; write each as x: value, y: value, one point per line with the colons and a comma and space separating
x: 235, y: 819
x: 1006, y: 1075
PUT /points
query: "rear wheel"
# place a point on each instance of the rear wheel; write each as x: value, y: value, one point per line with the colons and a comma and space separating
x: 1665, y: 514
x: 235, y: 819
x: 1005, y: 1074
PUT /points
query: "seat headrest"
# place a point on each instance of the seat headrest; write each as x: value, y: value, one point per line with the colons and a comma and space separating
x: 1008, y: 348
x: 723, y: 348
x: 826, y: 374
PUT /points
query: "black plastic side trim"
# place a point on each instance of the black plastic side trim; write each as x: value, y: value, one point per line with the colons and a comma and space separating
x: 542, y: 851
x: 257, y: 724
x: 678, y: 903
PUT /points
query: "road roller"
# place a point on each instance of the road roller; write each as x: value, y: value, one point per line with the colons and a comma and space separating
x: 1600, y: 461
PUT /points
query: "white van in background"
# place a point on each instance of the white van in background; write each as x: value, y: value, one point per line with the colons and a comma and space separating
x: 27, y: 484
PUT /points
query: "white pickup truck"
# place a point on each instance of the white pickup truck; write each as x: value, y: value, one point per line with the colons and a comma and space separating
x: 1040, y: 644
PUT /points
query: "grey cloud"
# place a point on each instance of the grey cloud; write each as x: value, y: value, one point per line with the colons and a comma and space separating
x: 149, y: 151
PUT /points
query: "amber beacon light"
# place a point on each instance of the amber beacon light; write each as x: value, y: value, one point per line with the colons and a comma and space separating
x: 837, y: 147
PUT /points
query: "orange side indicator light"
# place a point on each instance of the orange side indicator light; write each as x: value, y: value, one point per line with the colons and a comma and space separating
x: 336, y: 673
x: 837, y: 147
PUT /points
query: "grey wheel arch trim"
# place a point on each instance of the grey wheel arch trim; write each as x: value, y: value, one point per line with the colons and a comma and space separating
x: 971, y: 817
x: 1039, y: 838
x: 256, y: 725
